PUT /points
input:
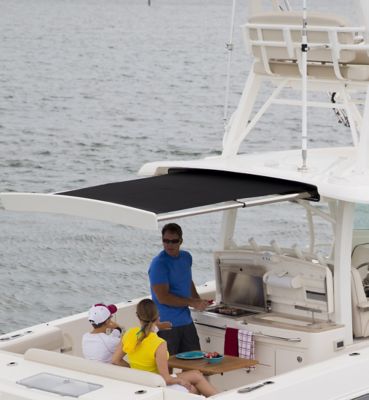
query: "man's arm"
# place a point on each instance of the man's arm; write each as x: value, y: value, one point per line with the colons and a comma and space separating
x: 164, y: 296
x: 200, y: 303
x: 194, y: 293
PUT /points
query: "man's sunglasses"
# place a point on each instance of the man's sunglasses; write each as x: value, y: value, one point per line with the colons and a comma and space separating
x: 172, y: 241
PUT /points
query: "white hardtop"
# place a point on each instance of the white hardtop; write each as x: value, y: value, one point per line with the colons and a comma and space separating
x: 332, y: 170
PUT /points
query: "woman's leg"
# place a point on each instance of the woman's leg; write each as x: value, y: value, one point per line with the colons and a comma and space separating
x: 196, y: 378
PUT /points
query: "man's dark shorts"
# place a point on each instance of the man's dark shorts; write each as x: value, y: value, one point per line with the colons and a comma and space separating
x: 181, y: 338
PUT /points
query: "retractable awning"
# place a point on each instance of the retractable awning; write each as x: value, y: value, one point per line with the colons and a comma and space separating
x: 145, y: 202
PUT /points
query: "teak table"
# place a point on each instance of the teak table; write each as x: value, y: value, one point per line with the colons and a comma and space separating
x: 229, y: 363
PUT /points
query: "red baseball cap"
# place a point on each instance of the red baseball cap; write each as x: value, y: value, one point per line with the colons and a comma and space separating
x: 100, y: 312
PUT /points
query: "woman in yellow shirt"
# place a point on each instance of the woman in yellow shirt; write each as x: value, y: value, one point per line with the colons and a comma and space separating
x: 148, y: 352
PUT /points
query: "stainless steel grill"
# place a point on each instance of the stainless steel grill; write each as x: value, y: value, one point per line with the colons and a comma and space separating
x: 230, y: 311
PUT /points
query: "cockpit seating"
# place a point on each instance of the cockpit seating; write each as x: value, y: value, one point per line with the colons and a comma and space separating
x: 360, y: 289
x: 360, y: 305
x: 360, y: 259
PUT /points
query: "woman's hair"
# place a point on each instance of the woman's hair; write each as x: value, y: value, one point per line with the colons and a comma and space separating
x: 147, y: 313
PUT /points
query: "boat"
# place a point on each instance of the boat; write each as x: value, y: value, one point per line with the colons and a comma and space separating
x: 304, y: 305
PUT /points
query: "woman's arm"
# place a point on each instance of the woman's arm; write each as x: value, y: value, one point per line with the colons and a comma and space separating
x: 118, y: 356
x: 162, y: 366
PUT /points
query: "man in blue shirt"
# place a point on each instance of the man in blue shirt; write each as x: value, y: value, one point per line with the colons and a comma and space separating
x: 173, y: 291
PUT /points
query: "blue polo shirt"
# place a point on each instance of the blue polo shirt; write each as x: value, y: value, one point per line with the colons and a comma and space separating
x: 175, y: 272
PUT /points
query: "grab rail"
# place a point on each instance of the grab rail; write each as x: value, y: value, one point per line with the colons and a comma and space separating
x: 15, y: 336
x: 292, y: 340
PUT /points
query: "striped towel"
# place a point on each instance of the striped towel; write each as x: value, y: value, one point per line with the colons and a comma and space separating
x: 246, y: 344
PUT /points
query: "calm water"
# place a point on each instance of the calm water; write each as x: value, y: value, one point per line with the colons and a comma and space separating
x: 89, y: 91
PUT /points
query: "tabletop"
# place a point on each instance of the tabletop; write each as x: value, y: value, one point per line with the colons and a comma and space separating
x: 229, y: 363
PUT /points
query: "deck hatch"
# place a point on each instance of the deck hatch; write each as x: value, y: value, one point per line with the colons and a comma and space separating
x: 57, y: 384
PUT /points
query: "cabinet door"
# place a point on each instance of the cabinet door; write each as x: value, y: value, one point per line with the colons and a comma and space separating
x: 287, y: 360
x: 209, y: 341
x: 265, y: 355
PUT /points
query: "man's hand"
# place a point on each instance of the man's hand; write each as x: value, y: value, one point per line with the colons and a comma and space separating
x: 165, y: 325
x: 199, y: 304
x: 166, y: 297
x: 113, y: 325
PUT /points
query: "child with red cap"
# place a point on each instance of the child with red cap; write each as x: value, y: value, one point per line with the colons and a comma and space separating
x: 100, y: 343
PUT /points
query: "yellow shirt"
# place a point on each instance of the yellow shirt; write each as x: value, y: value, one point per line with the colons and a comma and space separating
x: 141, y: 355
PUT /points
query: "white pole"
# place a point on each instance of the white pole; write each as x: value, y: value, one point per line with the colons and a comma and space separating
x: 304, y: 49
x: 342, y: 267
x: 363, y: 146
x: 229, y: 47
x: 362, y: 164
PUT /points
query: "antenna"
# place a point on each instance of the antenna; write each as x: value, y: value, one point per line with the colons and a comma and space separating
x: 229, y: 47
x: 304, y: 50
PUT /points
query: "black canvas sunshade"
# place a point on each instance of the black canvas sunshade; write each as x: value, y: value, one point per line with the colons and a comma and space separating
x: 182, y: 189
x: 143, y: 203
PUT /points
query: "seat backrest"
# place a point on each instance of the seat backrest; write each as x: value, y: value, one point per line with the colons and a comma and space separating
x: 95, y: 367
x: 360, y: 316
x: 276, y: 37
x: 286, y: 28
x: 360, y: 258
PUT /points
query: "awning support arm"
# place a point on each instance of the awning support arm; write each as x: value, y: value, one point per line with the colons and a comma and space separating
x: 235, y: 204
